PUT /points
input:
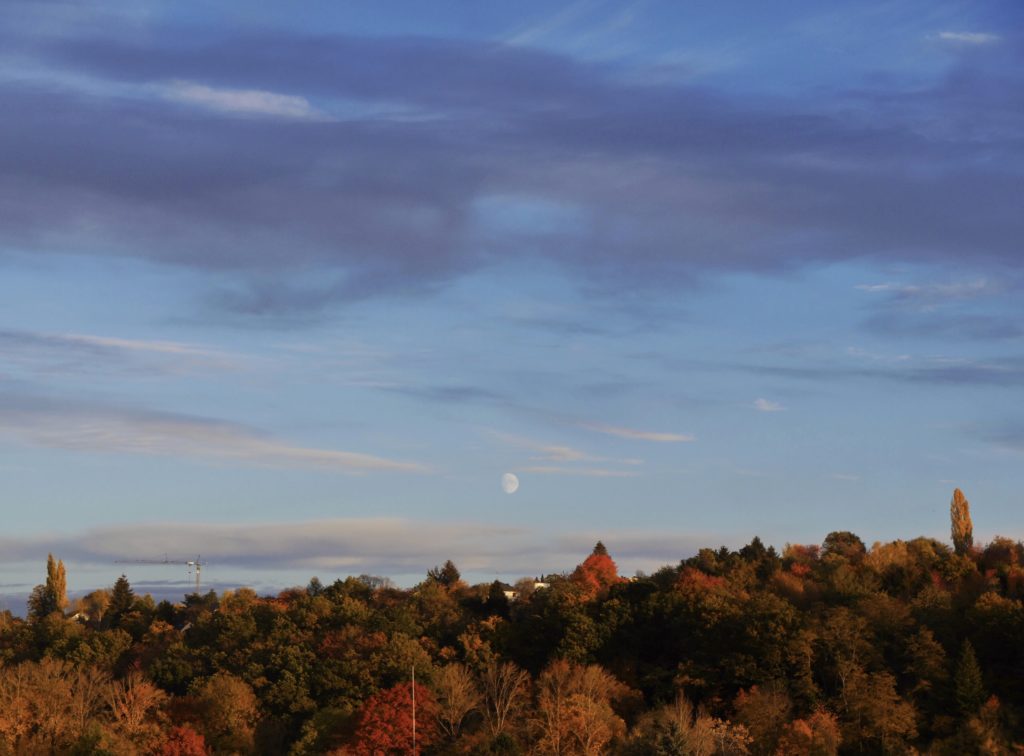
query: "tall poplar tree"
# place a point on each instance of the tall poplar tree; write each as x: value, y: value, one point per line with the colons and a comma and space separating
x: 52, y: 596
x: 56, y: 584
x: 960, y: 517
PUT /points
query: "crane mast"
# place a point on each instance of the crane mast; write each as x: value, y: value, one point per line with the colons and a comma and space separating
x: 193, y: 565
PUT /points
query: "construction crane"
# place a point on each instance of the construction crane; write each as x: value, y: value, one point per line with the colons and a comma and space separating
x: 192, y: 564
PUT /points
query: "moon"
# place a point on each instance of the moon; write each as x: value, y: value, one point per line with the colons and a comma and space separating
x: 509, y: 483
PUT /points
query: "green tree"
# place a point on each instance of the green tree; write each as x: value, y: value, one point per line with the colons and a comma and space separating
x: 122, y: 599
x: 229, y: 712
x: 52, y: 596
x: 447, y: 576
x: 843, y: 543
x: 56, y: 583
x: 968, y: 685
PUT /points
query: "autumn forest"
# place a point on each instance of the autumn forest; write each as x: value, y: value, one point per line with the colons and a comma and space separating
x: 901, y: 647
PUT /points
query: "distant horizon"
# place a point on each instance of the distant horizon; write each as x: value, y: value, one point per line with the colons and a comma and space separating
x: 260, y: 577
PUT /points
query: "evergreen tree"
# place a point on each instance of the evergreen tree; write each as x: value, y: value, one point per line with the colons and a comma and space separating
x: 960, y: 517
x: 122, y: 599
x: 969, y: 687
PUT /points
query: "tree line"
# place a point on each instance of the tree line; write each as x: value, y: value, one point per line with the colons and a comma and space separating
x: 832, y: 648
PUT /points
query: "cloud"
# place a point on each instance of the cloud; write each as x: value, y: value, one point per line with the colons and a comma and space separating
x: 388, y: 201
x: 59, y: 352
x: 570, y: 15
x: 969, y: 38
x: 241, y: 101
x: 1009, y: 437
x: 1006, y: 371
x: 548, y: 452
x: 350, y: 546
x: 566, y: 460
x: 973, y: 309
x: 766, y: 405
x: 103, y: 429
x: 586, y: 472
x: 967, y: 327
x: 447, y: 394
x: 931, y: 296
x: 639, y: 435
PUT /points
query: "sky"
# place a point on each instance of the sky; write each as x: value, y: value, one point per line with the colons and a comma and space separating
x: 291, y: 286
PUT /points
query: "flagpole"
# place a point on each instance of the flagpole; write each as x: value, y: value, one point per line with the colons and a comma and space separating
x: 413, y: 710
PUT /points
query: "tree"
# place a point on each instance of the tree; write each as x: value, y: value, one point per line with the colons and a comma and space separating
x: 506, y: 687
x: 875, y: 717
x: 574, y: 713
x: 764, y: 711
x: 818, y: 735
x: 183, y: 741
x: 843, y: 543
x: 46, y: 705
x: 457, y: 697
x: 94, y: 605
x: 597, y: 573
x: 448, y: 576
x: 677, y: 730
x: 131, y: 702
x: 960, y: 517
x: 51, y: 597
x: 968, y: 685
x: 56, y: 583
x: 229, y: 711
x: 122, y: 599
x: 386, y: 723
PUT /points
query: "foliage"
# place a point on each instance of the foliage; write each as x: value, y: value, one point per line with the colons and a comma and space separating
x: 386, y: 721
x: 52, y: 596
x: 182, y: 740
x: 960, y: 518
x: 909, y: 646
x: 969, y: 687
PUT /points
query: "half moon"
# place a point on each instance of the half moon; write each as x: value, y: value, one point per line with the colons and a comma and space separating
x: 509, y: 483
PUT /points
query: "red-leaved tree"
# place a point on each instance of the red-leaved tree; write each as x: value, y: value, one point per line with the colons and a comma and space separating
x: 597, y: 573
x: 183, y: 741
x: 385, y: 722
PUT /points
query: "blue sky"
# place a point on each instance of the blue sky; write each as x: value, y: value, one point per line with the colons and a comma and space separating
x: 292, y: 289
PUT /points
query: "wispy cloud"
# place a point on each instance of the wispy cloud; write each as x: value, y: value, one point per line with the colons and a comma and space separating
x: 979, y: 308
x: 547, y: 452
x: 241, y: 101
x: 586, y: 472
x: 968, y: 38
x: 87, y: 352
x: 552, y: 23
x: 560, y: 459
x: 932, y: 294
x: 95, y: 428
x: 766, y: 405
x: 137, y: 345
x: 639, y: 435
